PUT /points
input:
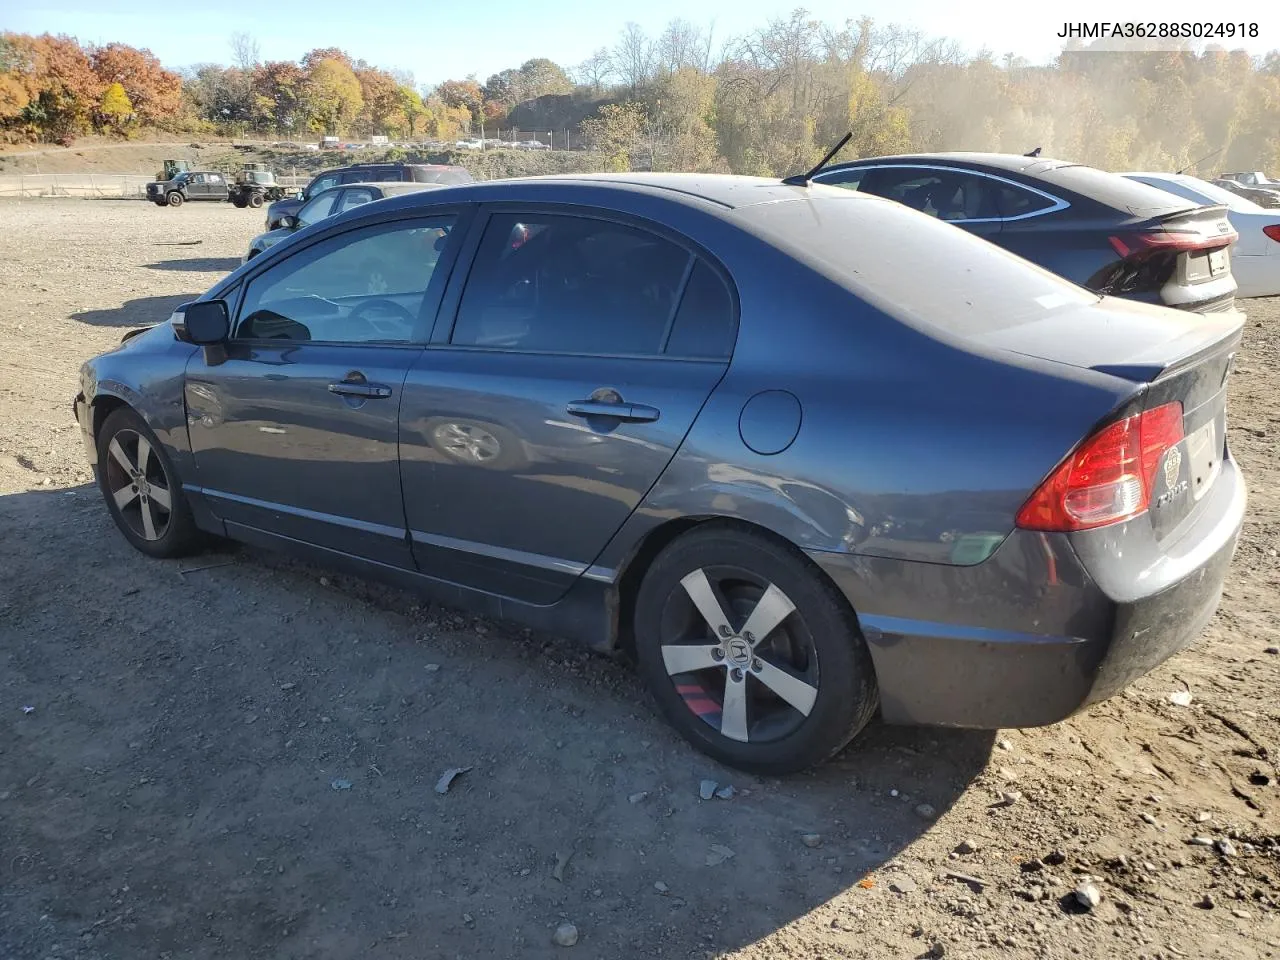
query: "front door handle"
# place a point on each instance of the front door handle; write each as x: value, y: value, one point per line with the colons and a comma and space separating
x: 369, y: 391
x: 626, y: 412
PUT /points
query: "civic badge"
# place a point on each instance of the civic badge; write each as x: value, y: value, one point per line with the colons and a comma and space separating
x: 1172, y: 467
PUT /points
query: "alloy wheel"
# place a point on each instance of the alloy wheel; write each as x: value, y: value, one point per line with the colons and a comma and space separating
x: 739, y: 654
x: 137, y: 484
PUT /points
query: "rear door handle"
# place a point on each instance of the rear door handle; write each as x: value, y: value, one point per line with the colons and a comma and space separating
x: 370, y: 391
x: 626, y: 412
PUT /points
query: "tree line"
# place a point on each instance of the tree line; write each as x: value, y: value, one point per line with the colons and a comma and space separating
x: 769, y: 102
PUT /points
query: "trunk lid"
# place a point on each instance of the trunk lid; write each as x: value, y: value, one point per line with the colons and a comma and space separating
x: 1175, y: 357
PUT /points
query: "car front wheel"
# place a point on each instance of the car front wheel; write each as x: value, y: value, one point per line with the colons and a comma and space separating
x: 751, y: 654
x: 175, y: 199
x: 141, y: 490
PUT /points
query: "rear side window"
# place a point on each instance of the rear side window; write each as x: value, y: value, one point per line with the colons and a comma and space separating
x: 704, y: 324
x: 384, y: 175
x: 916, y: 270
x: 1016, y: 202
x: 571, y: 285
x: 946, y: 194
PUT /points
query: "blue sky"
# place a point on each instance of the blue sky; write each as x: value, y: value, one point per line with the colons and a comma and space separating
x: 441, y: 40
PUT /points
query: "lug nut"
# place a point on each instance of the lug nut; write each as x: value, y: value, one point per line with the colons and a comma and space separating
x: 756, y: 665
x: 736, y: 674
x: 749, y: 637
x: 717, y: 654
x: 724, y: 630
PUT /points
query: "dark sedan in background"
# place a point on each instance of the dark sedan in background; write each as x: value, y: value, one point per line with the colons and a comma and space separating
x: 805, y: 453
x: 1097, y: 229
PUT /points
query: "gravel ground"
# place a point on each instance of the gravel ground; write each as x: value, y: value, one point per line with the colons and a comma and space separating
x: 236, y: 755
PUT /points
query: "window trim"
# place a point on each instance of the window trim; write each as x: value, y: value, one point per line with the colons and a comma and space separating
x: 1058, y: 203
x: 429, y: 313
x: 447, y: 316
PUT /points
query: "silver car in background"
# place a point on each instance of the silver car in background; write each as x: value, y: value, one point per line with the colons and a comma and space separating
x: 327, y: 203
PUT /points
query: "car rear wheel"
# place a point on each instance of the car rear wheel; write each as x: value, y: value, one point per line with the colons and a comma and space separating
x: 141, y: 489
x: 255, y: 200
x: 751, y: 654
x: 175, y: 199
x: 239, y: 201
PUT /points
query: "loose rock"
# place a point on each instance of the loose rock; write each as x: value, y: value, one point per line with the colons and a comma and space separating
x: 926, y: 811
x: 902, y: 884
x: 1055, y: 858
x: 719, y: 854
x: 1004, y: 744
x: 1148, y: 818
x: 1009, y: 797
x: 726, y: 792
x: 341, y: 784
x: 1201, y: 841
x: 1225, y: 847
x: 1204, y: 816
x: 707, y: 789
x: 446, y: 778
x: 1180, y: 698
x: 566, y: 935
x: 1088, y: 895
x: 811, y: 840
x: 1206, y: 902
x: 637, y: 797
x: 966, y: 847
x: 661, y: 887
x: 1272, y: 650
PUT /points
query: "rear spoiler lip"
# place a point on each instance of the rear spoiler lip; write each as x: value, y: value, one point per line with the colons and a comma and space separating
x: 1141, y: 369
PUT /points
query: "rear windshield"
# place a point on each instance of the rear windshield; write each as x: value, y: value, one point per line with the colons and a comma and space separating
x: 1113, y: 190
x: 912, y: 266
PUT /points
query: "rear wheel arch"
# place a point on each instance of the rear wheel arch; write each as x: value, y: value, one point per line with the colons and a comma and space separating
x: 637, y: 564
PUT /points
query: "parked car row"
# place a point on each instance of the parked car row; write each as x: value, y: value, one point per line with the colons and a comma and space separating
x: 940, y: 437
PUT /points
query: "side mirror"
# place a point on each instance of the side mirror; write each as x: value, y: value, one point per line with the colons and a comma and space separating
x: 289, y: 222
x: 207, y: 322
x: 301, y: 196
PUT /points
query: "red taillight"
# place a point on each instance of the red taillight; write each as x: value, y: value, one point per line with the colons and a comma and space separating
x: 1109, y: 477
x: 1272, y: 231
x: 1156, y: 241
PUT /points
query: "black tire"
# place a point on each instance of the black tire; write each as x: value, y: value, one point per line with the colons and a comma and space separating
x: 174, y: 199
x: 239, y: 201
x: 255, y: 200
x: 158, y: 203
x: 174, y: 529
x: 818, y: 642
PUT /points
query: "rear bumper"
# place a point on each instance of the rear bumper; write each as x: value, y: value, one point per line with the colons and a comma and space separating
x: 1028, y: 637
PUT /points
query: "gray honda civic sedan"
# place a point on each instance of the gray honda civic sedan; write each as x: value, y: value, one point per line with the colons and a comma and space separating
x: 805, y: 454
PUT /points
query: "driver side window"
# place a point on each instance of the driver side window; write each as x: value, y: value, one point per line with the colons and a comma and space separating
x: 372, y: 285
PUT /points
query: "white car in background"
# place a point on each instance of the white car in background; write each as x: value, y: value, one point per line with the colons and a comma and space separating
x: 1255, y: 258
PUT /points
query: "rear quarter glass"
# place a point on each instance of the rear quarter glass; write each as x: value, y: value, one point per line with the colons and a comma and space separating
x: 880, y: 250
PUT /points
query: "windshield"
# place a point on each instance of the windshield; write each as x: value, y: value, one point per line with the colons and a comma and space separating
x: 880, y: 250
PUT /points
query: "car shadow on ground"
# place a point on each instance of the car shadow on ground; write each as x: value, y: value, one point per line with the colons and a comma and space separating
x: 197, y: 264
x: 285, y: 728
x: 137, y: 312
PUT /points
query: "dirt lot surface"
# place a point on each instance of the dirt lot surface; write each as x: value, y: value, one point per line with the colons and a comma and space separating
x: 240, y: 760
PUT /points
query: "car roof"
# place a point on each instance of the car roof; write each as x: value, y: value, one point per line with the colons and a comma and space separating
x: 1098, y: 186
x: 1012, y: 162
x: 717, y: 190
x: 389, y: 186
